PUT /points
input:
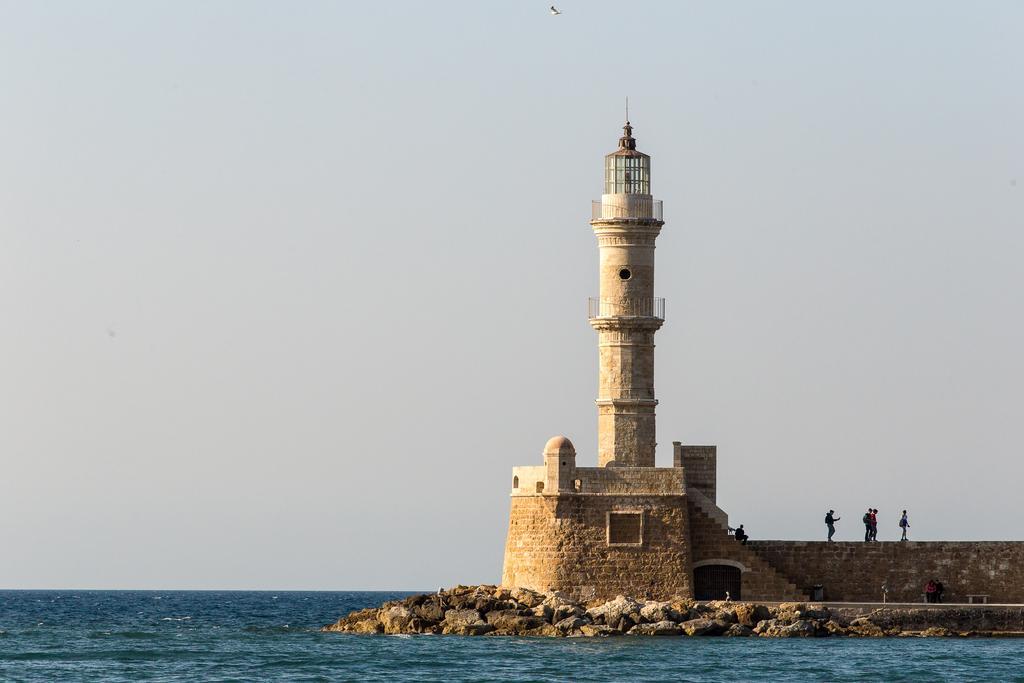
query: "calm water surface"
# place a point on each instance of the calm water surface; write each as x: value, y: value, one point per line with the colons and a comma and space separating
x: 246, y: 636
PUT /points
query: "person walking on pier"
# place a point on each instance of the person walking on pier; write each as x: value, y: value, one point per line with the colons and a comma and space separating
x: 904, y: 524
x: 830, y: 522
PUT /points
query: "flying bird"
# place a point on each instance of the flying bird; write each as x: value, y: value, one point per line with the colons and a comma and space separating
x: 555, y: 11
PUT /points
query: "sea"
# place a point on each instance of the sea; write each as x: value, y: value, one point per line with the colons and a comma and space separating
x: 274, y: 636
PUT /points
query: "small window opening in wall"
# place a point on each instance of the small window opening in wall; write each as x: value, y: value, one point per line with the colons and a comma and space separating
x: 624, y: 274
x: 563, y: 463
x: 540, y: 487
x: 515, y: 482
x: 625, y: 528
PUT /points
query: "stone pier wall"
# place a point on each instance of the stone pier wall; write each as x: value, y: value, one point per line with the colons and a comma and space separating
x: 855, y: 571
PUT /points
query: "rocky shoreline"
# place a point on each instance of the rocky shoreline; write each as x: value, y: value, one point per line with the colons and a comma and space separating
x: 496, y: 611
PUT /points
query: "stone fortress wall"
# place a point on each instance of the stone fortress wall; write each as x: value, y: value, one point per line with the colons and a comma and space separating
x: 597, y: 532
x: 854, y: 571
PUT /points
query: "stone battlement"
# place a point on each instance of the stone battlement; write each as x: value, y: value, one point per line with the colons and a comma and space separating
x: 647, y: 481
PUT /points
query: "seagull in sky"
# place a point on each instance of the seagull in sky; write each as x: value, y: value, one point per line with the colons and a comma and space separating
x: 555, y: 11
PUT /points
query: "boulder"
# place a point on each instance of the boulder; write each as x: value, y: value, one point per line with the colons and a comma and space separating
x: 816, y: 612
x: 510, y: 621
x: 362, y: 621
x: 546, y: 630
x: 748, y: 614
x: 788, y: 611
x: 429, y: 611
x: 591, y: 630
x: 570, y: 624
x: 543, y: 611
x: 365, y: 626
x: 937, y: 631
x: 486, y: 603
x: 661, y: 628
x: 395, y: 619
x: 653, y: 611
x: 864, y: 628
x: 416, y: 600
x: 703, y: 627
x: 563, y: 612
x: 738, y: 631
x: 726, y: 614
x: 834, y: 628
x: 557, y: 599
x: 466, y: 622
x: 770, y: 627
x: 455, y: 617
x: 802, y: 628
x: 527, y: 597
x: 611, y: 612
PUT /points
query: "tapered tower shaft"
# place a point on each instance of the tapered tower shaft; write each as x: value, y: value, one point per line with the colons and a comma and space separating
x: 626, y: 315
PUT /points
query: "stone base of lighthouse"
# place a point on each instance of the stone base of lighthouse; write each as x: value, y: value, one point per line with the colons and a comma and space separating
x: 597, y: 532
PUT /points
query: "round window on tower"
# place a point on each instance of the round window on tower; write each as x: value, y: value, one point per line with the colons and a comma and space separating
x: 624, y: 274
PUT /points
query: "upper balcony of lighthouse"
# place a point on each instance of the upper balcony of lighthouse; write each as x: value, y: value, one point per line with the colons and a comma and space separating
x: 627, y: 184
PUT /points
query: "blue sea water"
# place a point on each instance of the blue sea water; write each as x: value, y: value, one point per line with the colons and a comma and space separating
x: 274, y: 636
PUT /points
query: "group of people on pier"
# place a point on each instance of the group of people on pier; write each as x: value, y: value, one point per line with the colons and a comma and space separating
x: 870, y: 520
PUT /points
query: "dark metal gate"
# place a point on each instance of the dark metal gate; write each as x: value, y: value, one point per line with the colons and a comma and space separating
x: 711, y: 582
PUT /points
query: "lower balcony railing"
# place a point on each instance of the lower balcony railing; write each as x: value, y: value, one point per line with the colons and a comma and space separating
x: 626, y: 308
x: 627, y: 206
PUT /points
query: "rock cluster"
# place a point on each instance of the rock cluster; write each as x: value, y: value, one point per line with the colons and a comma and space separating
x: 491, y: 610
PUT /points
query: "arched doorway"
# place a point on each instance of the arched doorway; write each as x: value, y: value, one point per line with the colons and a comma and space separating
x: 711, y: 581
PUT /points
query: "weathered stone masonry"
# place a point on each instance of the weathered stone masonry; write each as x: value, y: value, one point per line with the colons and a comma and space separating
x: 855, y: 571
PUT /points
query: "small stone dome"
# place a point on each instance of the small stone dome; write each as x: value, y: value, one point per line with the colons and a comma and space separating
x: 559, y: 445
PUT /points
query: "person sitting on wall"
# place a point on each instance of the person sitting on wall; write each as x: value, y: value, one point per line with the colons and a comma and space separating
x: 741, y: 535
x: 929, y: 591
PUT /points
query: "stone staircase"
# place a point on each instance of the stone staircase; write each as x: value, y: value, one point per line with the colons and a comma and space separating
x: 710, y: 539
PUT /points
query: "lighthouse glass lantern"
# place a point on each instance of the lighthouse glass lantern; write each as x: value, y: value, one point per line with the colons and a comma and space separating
x: 627, y: 171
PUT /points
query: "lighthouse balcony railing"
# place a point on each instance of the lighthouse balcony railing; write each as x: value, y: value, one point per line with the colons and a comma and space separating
x: 627, y: 206
x: 626, y: 308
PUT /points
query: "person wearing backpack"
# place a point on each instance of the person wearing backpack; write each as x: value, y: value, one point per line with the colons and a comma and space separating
x: 904, y: 524
x: 867, y: 525
x: 830, y: 522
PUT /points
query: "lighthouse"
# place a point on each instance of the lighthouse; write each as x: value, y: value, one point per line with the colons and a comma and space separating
x: 626, y: 314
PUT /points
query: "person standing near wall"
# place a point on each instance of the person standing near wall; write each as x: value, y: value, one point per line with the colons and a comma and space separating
x: 904, y: 524
x: 830, y: 522
x: 867, y: 525
x: 874, y: 524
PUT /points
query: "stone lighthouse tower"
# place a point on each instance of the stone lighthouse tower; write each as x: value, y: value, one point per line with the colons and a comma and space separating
x: 626, y: 314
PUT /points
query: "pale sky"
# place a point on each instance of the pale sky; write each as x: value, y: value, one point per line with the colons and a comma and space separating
x: 286, y: 289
